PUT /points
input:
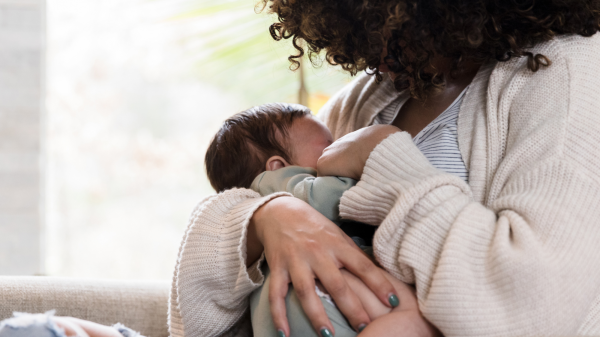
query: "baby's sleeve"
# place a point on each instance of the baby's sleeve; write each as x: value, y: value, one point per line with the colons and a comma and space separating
x: 282, y: 180
x: 322, y: 193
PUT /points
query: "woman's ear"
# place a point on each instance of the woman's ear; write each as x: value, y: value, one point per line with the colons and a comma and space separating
x: 275, y: 163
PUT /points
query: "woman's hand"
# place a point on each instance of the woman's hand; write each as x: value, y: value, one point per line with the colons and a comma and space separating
x: 347, y: 156
x: 301, y: 245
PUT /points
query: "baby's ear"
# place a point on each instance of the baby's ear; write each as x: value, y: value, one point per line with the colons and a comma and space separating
x: 275, y: 163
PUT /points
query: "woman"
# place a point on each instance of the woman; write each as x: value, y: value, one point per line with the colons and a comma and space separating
x: 513, y: 252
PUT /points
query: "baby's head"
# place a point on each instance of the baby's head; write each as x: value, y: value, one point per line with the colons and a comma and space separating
x: 264, y: 138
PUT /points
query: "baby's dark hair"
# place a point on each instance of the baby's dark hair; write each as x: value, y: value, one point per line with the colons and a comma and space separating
x: 240, y: 149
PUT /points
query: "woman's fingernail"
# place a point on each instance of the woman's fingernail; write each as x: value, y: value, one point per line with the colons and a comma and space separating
x: 280, y: 333
x: 394, y: 301
x: 326, y: 333
x: 361, y: 327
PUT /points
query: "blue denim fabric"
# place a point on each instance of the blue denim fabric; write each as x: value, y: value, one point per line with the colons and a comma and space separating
x: 41, y: 325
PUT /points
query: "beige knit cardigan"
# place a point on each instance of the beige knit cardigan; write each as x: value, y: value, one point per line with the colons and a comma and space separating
x: 515, y: 252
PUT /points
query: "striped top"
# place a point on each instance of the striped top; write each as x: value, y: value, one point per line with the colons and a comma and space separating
x: 439, y: 140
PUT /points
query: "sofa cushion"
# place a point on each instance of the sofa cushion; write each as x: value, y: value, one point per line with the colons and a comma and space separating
x: 140, y: 305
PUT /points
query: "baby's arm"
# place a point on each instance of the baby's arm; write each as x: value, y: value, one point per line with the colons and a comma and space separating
x: 322, y: 193
x: 404, y: 320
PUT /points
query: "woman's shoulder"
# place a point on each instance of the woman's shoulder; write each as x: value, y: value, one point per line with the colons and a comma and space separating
x: 551, y: 100
x: 579, y: 56
x: 571, y: 46
x: 573, y: 63
x: 571, y: 54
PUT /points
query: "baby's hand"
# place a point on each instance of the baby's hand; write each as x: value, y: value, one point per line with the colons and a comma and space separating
x: 347, y: 156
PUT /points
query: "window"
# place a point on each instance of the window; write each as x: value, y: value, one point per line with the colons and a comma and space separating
x: 135, y: 91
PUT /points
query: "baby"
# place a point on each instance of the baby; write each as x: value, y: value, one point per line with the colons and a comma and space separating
x: 273, y: 148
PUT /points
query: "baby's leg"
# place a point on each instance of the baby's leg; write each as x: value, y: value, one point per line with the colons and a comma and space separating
x: 262, y: 323
x: 406, y: 317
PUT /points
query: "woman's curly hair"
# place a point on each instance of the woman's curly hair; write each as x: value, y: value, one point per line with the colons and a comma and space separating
x: 353, y: 33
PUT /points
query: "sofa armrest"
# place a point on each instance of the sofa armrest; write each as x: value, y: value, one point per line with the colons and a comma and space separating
x: 139, y: 305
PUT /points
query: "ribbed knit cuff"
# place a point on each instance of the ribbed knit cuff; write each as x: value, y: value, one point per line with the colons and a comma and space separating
x: 401, y: 186
x: 396, y: 171
x: 416, y: 241
x: 253, y: 272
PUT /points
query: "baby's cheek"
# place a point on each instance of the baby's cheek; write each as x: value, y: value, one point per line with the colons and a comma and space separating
x: 307, y: 160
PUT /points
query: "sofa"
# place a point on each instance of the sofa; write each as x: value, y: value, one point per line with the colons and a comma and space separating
x: 140, y: 305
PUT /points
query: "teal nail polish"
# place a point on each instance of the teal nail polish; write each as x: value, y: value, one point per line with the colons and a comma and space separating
x: 326, y: 333
x: 280, y: 333
x: 361, y: 327
x: 394, y: 301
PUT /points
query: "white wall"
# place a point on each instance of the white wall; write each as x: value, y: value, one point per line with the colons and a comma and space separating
x: 21, y: 131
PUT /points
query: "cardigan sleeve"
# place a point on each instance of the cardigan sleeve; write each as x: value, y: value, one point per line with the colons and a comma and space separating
x: 523, y: 262
x: 525, y: 265
x: 211, y: 282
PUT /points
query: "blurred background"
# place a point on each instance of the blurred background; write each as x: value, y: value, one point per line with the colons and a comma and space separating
x: 107, y: 109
